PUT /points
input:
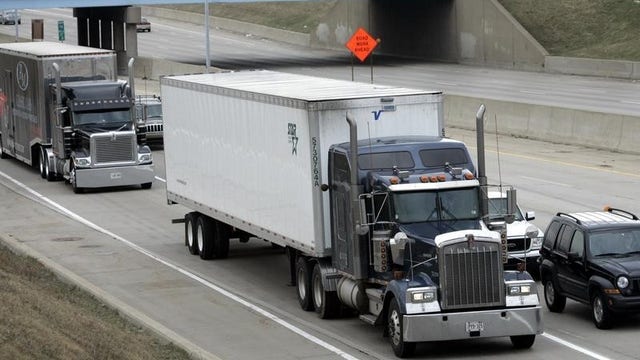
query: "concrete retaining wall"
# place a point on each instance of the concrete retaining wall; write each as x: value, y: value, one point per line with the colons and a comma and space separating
x: 547, y: 123
x: 489, y: 35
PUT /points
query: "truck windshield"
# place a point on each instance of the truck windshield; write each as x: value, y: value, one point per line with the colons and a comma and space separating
x: 112, y: 117
x: 424, y: 206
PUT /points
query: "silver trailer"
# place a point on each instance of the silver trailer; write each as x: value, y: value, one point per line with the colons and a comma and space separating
x: 63, y: 110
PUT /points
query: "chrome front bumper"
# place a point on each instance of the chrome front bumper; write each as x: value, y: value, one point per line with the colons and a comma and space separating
x: 114, y: 176
x: 453, y: 326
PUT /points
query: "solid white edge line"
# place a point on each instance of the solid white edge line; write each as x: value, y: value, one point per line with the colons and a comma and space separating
x: 575, y: 347
x: 195, y: 277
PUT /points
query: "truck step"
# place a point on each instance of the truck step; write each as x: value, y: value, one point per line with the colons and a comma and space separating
x: 369, y: 319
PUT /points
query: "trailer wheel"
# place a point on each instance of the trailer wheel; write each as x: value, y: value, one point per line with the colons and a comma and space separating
x: 189, y: 232
x: 303, y: 284
x: 222, y: 233
x: 326, y: 303
x: 205, y: 236
x: 394, y: 325
x: 523, y: 341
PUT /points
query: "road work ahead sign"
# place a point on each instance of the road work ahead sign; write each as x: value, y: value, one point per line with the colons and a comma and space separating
x: 361, y: 44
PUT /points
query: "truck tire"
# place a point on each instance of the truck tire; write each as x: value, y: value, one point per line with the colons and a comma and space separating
x: 523, y: 341
x: 221, y: 235
x: 555, y: 301
x: 43, y: 163
x: 205, y: 236
x: 602, y: 316
x: 189, y: 232
x: 394, y: 327
x: 146, y: 185
x: 72, y: 180
x: 326, y: 303
x: 3, y: 155
x: 303, y: 284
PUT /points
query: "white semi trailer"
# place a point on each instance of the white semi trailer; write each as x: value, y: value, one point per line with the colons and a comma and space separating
x: 387, y: 220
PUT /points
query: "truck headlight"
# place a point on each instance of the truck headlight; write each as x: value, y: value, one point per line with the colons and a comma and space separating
x: 422, y: 295
x: 536, y: 243
x: 144, y: 158
x: 82, y: 161
x: 519, y: 289
x: 622, y: 282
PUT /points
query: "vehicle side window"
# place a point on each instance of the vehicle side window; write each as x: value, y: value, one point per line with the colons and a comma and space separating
x: 550, y: 235
x: 565, y: 238
x: 577, y: 243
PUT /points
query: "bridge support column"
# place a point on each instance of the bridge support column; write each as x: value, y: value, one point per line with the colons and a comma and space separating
x: 111, y: 27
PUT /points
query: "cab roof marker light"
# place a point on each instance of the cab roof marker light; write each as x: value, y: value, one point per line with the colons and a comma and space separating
x: 441, y: 177
x: 424, y: 178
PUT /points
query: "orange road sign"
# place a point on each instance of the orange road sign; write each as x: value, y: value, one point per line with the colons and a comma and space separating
x: 361, y: 44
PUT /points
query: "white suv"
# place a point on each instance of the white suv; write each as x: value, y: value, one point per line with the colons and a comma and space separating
x: 521, y: 248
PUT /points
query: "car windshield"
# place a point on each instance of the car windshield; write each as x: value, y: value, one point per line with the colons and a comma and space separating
x: 154, y: 111
x: 498, y: 209
x: 421, y: 206
x: 615, y: 242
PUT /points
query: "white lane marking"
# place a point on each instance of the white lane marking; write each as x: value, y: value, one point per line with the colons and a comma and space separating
x: 160, y: 179
x: 181, y: 270
x: 446, y: 83
x: 535, y: 92
x: 538, y: 180
x: 630, y: 102
x: 576, y: 347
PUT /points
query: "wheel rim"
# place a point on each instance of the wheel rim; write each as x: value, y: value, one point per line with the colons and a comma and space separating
x: 42, y: 163
x: 302, y: 282
x: 318, y: 291
x: 190, y: 234
x: 394, y: 327
x: 598, y: 309
x: 549, y: 293
x: 199, y: 237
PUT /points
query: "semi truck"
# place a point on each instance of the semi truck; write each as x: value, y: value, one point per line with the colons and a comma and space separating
x: 379, y: 213
x: 64, y: 111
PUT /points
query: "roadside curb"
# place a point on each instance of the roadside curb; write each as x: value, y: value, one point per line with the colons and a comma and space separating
x: 125, y: 310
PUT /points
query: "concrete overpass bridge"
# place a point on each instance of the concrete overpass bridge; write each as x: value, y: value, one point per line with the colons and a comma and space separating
x: 478, y: 32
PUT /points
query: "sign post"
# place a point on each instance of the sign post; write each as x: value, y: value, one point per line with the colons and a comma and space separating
x: 361, y: 45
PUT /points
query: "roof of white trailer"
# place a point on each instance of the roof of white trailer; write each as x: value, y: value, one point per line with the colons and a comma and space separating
x: 48, y: 48
x: 294, y: 86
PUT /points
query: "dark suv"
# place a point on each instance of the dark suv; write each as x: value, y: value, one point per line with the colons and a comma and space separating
x: 593, y: 258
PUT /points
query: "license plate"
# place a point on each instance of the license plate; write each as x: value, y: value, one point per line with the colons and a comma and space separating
x: 474, y: 326
x: 116, y: 175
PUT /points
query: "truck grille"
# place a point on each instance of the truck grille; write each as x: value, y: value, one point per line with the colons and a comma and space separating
x: 154, y: 128
x: 471, y: 276
x: 113, y: 147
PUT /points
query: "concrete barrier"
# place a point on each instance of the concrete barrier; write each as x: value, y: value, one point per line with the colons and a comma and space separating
x: 547, y: 123
x: 593, y: 67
